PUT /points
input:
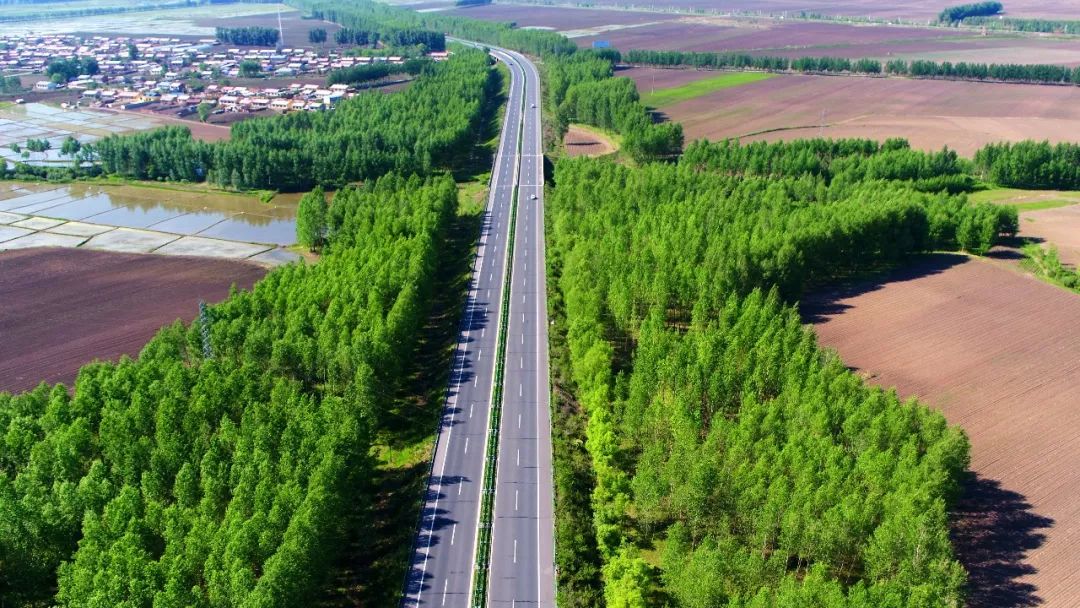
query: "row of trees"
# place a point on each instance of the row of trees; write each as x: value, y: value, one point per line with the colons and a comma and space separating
x: 1017, y: 24
x: 218, y: 467
x: 836, y: 160
x: 1029, y: 164
x: 427, y: 127
x: 581, y: 89
x: 716, y: 428
x: 248, y: 36
x: 955, y: 14
x: 1029, y: 73
x: 316, y: 35
x: 369, y: 15
x: 359, y: 74
x: 391, y: 36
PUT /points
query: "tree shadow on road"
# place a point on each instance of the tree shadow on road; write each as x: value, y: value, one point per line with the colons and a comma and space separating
x: 993, y: 529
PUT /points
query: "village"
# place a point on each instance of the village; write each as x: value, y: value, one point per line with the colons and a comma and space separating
x: 175, y: 75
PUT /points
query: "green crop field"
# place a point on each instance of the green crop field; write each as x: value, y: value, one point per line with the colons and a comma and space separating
x: 690, y: 90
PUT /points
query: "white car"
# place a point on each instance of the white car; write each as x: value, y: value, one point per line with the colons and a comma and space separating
x: 532, y: 197
x: 532, y: 105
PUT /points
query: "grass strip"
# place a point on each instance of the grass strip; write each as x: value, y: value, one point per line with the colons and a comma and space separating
x: 704, y: 86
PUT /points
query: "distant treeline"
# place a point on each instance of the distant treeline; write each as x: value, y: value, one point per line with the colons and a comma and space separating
x: 1022, y: 73
x: 366, y: 73
x: 954, y: 14
x: 420, y: 130
x: 393, y: 37
x: 582, y: 90
x: 1015, y: 24
x: 369, y: 15
x: 248, y: 36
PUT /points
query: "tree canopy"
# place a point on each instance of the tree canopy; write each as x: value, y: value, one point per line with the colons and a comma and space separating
x: 216, y: 469
x: 763, y: 471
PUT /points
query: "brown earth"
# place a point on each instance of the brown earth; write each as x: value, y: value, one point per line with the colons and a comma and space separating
x: 580, y: 142
x: 922, y: 10
x: 66, y: 307
x: 990, y: 348
x: 801, y: 38
x: 558, y: 18
x: 930, y: 113
x: 1059, y: 227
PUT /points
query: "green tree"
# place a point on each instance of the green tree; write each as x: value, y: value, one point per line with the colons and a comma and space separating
x: 204, y: 109
x: 70, y: 147
x: 250, y: 68
x: 317, y: 36
x: 312, y: 219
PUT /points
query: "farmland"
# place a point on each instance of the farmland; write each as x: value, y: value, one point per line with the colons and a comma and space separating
x: 930, y: 113
x: 585, y: 141
x: 703, y: 86
x: 917, y: 10
x: 65, y: 307
x: 982, y: 343
x: 176, y: 21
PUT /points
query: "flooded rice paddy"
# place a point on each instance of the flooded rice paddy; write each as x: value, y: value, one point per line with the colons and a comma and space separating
x: 19, y: 123
x: 214, y: 215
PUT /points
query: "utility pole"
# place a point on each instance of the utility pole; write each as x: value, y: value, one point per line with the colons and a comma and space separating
x: 281, y: 32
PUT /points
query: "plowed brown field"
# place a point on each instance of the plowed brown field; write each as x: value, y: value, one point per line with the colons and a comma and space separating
x: 930, y: 113
x: 62, y: 308
x: 996, y: 351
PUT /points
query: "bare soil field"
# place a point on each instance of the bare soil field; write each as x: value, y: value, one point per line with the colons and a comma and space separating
x: 557, y: 18
x: 1059, y: 227
x: 801, y: 38
x: 930, y: 113
x: 920, y: 10
x: 66, y: 307
x: 984, y: 344
x: 582, y: 142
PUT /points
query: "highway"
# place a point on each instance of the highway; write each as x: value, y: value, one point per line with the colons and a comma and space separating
x: 442, y: 565
x: 522, y: 554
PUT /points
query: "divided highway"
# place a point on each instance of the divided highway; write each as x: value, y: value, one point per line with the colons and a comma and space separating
x: 522, y: 554
x: 442, y: 568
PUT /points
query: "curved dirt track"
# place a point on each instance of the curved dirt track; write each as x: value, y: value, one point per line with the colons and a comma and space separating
x: 62, y: 308
x: 998, y: 352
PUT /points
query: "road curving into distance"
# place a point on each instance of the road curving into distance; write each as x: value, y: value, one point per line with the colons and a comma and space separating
x: 521, y: 559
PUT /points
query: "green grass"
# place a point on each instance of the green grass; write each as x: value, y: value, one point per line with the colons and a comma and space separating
x: 1039, y: 205
x: 1026, y: 200
x: 690, y: 90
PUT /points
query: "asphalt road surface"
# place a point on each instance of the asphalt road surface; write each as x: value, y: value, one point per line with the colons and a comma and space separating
x: 522, y: 554
x: 522, y: 557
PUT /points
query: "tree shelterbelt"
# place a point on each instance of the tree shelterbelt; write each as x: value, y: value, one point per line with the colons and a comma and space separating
x: 373, y: 16
x: 763, y: 471
x: 216, y: 469
x: 581, y: 89
x: 1029, y: 164
x: 248, y: 36
x: 422, y: 129
x: 1025, y: 73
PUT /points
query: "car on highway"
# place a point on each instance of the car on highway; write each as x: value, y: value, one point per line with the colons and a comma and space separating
x: 532, y: 197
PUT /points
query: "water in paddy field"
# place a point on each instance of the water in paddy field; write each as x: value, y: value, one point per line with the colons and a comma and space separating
x: 214, y: 215
x: 19, y: 123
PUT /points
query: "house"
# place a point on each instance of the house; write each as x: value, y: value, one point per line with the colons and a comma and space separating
x: 44, y: 85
